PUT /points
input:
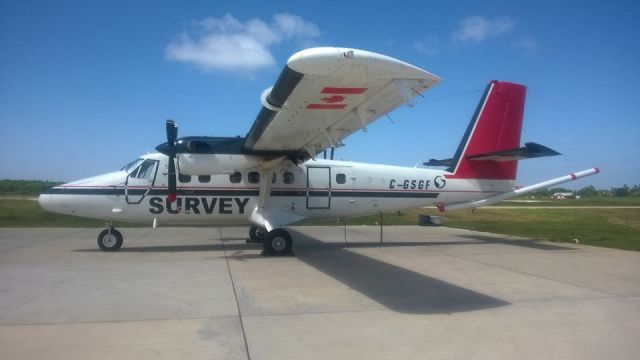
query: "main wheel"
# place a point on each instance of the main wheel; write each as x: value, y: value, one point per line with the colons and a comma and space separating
x: 110, y: 240
x: 257, y: 233
x: 277, y: 242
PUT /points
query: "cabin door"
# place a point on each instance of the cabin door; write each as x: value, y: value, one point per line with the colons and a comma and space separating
x: 318, y: 187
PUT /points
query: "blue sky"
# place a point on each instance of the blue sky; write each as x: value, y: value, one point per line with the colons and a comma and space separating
x: 85, y: 86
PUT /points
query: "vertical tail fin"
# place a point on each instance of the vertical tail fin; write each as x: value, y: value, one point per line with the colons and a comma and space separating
x: 496, y: 125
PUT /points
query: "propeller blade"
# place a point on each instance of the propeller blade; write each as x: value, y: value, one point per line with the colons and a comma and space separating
x: 172, y: 134
x: 172, y: 194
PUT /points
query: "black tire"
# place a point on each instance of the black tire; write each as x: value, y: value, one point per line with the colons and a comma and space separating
x: 257, y: 234
x: 112, y: 243
x: 277, y: 242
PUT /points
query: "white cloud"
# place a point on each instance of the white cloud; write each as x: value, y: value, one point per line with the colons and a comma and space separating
x: 295, y: 26
x: 429, y: 45
x: 227, y: 44
x: 476, y: 29
x: 527, y: 45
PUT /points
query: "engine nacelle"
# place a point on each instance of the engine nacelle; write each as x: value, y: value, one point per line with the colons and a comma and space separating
x: 212, y: 164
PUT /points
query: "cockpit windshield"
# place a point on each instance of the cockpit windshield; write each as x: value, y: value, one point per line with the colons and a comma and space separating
x: 132, y: 165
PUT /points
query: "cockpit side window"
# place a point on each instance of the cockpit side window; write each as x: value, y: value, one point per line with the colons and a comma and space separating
x: 132, y: 165
x: 146, y: 171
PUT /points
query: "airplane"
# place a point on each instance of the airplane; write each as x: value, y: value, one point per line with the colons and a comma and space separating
x: 275, y: 176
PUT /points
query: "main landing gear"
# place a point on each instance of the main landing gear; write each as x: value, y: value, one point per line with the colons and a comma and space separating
x: 110, y: 239
x: 256, y: 234
x: 277, y: 242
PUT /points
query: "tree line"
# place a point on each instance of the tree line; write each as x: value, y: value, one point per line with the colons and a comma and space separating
x: 591, y: 191
x: 25, y: 187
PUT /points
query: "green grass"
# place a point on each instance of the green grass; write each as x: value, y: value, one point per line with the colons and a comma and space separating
x: 587, y: 201
x: 27, y: 213
x: 614, y: 228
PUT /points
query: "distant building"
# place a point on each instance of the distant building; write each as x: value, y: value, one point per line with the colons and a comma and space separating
x: 563, y: 195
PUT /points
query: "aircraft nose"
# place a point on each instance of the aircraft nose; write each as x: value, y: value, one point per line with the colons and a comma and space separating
x: 46, y: 202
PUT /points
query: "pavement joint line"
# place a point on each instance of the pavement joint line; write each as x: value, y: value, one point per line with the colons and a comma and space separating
x: 534, y: 275
x: 381, y: 310
x: 194, y: 318
x: 384, y: 310
x: 116, y: 321
x: 570, y: 299
x: 235, y: 295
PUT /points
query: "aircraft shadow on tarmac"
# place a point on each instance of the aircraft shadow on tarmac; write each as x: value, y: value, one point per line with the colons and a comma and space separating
x: 399, y: 289
x: 394, y: 287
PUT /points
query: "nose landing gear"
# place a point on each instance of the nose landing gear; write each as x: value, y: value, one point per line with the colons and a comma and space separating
x: 110, y: 239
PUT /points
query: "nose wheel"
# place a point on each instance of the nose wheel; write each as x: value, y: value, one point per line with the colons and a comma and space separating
x: 110, y: 239
x: 277, y: 242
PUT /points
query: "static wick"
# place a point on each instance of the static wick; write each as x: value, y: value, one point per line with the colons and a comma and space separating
x: 390, y: 119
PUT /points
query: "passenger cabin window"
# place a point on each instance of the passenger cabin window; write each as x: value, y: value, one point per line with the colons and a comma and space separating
x: 253, y: 177
x: 204, y: 178
x: 184, y: 178
x: 288, y: 177
x: 236, y: 177
x: 341, y: 178
x: 147, y: 170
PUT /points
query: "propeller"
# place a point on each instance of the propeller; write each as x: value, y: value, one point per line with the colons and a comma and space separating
x: 172, y: 134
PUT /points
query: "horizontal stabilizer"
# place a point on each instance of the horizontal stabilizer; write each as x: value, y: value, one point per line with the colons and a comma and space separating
x: 517, y: 192
x: 528, y: 151
x: 434, y: 162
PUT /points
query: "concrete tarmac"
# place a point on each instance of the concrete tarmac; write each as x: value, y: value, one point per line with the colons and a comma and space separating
x: 425, y: 293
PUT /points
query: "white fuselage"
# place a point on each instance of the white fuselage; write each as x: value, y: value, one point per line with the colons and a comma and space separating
x: 314, y: 189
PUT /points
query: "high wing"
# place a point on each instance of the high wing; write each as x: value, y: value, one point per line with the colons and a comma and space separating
x: 325, y: 94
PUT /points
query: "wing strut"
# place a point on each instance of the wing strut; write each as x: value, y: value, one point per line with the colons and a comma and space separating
x: 264, y: 214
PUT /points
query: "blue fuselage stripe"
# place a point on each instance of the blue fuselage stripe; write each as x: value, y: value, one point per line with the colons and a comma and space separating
x: 243, y: 192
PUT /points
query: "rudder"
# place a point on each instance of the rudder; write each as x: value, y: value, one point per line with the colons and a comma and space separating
x: 495, y: 126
